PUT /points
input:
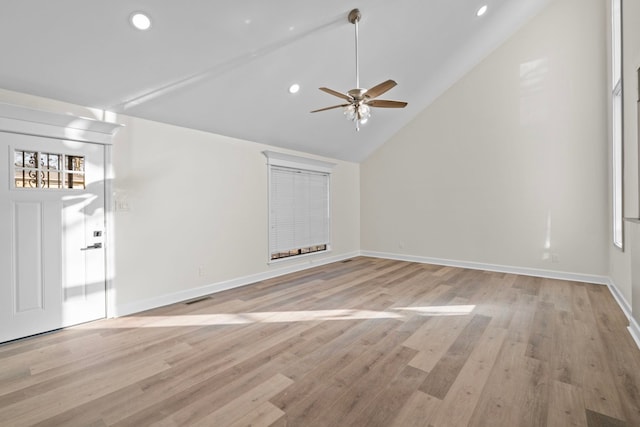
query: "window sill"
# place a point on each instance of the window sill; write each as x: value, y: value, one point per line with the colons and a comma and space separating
x: 298, y: 257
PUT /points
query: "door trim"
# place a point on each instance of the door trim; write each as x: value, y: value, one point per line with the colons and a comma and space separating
x: 28, y: 121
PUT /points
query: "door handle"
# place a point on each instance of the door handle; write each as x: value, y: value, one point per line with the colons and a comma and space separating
x: 94, y: 246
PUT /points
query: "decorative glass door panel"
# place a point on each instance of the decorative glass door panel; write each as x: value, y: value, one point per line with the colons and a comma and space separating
x: 33, y: 169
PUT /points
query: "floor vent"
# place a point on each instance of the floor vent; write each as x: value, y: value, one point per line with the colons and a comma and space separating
x: 193, y: 301
x: 347, y: 260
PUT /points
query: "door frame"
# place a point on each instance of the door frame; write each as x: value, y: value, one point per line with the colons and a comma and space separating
x: 28, y: 121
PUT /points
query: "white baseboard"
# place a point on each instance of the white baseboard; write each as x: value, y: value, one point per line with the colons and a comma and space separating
x: 634, y: 330
x: 549, y: 274
x: 188, y: 294
x: 620, y: 299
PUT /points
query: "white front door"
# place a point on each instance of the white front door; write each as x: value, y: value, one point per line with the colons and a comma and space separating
x: 52, y: 259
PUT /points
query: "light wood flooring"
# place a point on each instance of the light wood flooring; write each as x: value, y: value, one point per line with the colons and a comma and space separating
x: 368, y: 342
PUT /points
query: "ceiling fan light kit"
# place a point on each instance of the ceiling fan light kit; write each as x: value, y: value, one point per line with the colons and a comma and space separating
x: 359, y: 101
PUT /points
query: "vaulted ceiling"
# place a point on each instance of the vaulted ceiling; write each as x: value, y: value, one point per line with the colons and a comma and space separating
x: 225, y: 67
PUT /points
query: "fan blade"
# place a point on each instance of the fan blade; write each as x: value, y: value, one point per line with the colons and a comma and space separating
x: 331, y: 108
x: 378, y: 90
x: 383, y: 103
x: 335, y: 93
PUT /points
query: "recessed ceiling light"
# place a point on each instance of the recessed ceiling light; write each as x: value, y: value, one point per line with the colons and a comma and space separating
x: 294, y: 88
x: 482, y: 10
x: 140, y: 21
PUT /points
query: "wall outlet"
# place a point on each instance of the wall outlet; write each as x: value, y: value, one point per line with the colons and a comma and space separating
x: 122, y: 206
x: 555, y: 258
x: 201, y: 271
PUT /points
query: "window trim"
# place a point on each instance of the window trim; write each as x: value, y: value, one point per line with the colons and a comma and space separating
x: 282, y: 160
x: 616, y: 109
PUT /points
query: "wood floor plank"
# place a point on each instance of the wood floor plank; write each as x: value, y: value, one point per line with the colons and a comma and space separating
x: 558, y: 294
x: 522, y: 319
x: 592, y: 371
x: 619, y: 351
x: 209, y: 386
x: 445, y: 372
x: 264, y: 415
x: 48, y: 404
x: 418, y: 411
x: 540, y: 345
x: 580, y: 304
x: 433, y: 340
x: 309, y: 399
x: 458, y: 407
x: 360, y: 392
x: 567, y: 359
x: 244, y: 403
x: 37, y: 384
x: 535, y: 397
x: 357, y: 343
x: 499, y: 404
x: 595, y: 419
x: 331, y: 359
x: 566, y: 406
x: 494, y: 296
x: 384, y: 408
x: 203, y: 397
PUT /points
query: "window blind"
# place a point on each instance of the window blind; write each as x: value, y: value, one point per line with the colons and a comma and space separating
x: 299, y: 204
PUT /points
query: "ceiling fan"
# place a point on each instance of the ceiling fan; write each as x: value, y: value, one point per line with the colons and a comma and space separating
x: 359, y: 101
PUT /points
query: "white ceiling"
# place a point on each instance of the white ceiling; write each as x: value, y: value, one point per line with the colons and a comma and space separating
x: 225, y: 67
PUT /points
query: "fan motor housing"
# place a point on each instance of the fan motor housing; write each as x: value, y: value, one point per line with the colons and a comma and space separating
x: 357, y: 94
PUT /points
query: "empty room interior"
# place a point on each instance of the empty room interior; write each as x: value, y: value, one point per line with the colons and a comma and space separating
x: 410, y: 213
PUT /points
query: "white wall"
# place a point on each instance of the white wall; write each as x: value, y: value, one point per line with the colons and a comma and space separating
x: 508, y: 167
x: 198, y: 210
x: 193, y: 210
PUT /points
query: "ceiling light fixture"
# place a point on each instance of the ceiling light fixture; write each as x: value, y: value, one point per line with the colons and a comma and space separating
x: 140, y: 21
x: 294, y: 88
x: 482, y: 10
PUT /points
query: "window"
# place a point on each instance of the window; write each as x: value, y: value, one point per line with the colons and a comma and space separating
x: 34, y: 169
x: 617, y: 119
x: 299, y: 215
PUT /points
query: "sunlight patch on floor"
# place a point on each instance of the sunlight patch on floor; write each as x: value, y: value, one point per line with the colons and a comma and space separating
x: 222, y: 319
x: 440, y: 310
